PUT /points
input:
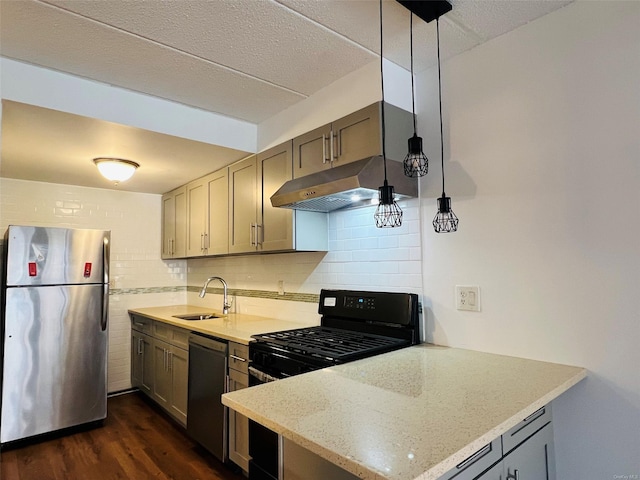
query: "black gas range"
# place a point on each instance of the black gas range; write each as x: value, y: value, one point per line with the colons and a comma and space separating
x: 354, y: 325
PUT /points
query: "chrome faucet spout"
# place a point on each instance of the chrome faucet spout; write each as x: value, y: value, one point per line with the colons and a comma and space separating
x: 226, y: 304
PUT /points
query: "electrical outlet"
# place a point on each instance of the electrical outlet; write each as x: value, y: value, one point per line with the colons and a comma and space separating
x: 280, y: 287
x: 468, y: 298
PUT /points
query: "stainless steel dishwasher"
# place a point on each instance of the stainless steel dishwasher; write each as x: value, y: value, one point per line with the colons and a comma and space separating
x: 206, y: 416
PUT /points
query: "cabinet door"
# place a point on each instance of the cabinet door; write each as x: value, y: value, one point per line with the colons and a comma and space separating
x: 161, y: 374
x: 174, y: 223
x: 197, y: 213
x: 533, y: 459
x: 242, y: 206
x: 218, y: 227
x: 312, y: 152
x: 179, y: 366
x: 357, y: 136
x: 148, y: 366
x: 276, y: 224
x: 238, y: 424
x: 136, y: 359
x: 168, y: 224
x: 180, y: 244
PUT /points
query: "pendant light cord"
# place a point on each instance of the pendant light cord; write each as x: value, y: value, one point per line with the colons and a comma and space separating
x: 413, y: 97
x: 440, y: 102
x: 384, y: 156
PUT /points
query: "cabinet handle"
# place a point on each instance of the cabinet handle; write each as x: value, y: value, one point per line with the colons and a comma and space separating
x: 202, y: 242
x: 206, y: 241
x: 235, y: 357
x: 513, y: 476
x: 260, y: 237
x: 324, y: 149
x: 170, y: 361
x: 139, y: 345
x: 164, y: 359
x: 335, y: 142
x: 251, y: 232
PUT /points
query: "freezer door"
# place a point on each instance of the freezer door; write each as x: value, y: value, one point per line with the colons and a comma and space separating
x: 55, y: 360
x: 56, y: 256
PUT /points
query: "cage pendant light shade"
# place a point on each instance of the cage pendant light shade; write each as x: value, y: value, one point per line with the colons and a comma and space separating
x: 116, y: 169
x: 445, y: 220
x: 416, y: 163
x: 388, y: 214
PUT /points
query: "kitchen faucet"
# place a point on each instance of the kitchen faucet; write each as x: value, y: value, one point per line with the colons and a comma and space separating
x: 226, y: 305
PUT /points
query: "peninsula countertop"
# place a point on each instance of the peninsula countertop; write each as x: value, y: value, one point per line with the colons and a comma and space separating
x: 236, y: 327
x: 409, y: 414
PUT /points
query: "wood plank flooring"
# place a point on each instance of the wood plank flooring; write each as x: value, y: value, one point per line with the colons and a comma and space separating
x: 137, y: 442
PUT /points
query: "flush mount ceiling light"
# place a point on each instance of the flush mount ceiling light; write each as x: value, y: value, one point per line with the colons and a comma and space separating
x: 116, y: 169
x: 388, y: 213
x: 416, y: 163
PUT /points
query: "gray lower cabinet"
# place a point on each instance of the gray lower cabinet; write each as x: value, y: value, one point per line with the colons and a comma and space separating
x: 525, y: 452
x: 238, y: 423
x: 142, y: 362
x: 160, y: 364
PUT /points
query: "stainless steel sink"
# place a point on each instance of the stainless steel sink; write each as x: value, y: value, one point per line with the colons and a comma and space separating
x: 197, y: 316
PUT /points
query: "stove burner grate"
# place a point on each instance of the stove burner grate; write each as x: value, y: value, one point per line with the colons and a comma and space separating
x: 332, y: 343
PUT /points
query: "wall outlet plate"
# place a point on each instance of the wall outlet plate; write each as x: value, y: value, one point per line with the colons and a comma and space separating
x: 468, y: 298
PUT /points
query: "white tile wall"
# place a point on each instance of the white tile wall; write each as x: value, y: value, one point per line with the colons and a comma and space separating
x: 134, y: 221
x: 361, y: 256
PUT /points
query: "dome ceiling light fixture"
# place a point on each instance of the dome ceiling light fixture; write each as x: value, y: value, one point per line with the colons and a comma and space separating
x: 116, y: 169
x: 388, y: 214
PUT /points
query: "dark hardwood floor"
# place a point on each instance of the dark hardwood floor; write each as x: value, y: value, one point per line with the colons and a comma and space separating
x: 137, y: 442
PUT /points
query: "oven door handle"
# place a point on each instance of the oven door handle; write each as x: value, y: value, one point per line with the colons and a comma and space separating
x: 263, y: 377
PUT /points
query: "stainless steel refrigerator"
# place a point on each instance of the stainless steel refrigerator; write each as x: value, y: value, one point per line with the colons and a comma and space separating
x: 54, y: 319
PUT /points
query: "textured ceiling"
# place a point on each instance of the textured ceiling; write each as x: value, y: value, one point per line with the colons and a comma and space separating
x: 248, y: 59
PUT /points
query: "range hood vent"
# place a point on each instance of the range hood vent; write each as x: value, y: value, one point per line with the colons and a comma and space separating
x: 347, y: 186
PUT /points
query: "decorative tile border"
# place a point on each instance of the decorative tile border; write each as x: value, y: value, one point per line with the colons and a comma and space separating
x: 291, y: 297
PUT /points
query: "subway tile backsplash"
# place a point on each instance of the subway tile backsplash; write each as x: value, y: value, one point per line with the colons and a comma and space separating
x: 361, y: 257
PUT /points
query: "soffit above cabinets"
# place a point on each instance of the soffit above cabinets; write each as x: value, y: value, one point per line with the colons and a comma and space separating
x: 247, y: 59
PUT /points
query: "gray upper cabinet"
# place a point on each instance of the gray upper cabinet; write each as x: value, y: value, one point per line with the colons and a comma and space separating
x: 208, y: 215
x: 352, y: 138
x: 256, y: 226
x: 174, y: 223
x: 243, y: 198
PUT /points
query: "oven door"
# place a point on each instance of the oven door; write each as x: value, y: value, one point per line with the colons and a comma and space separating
x: 264, y: 445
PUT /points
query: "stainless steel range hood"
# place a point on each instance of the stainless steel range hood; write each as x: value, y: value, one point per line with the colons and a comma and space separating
x: 347, y: 186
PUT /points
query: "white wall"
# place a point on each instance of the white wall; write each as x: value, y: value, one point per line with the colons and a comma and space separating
x: 134, y: 221
x: 542, y: 160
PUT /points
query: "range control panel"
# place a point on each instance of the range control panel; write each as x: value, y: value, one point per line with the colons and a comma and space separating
x: 361, y: 303
x: 360, y: 306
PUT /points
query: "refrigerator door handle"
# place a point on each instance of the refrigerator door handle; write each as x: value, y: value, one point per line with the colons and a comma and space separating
x: 105, y: 306
x: 105, y: 291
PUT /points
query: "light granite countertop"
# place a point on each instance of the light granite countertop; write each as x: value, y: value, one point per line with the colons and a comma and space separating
x: 410, y: 414
x: 236, y: 327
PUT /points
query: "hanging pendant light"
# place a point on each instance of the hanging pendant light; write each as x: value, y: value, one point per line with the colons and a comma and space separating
x: 445, y: 220
x: 388, y: 214
x: 416, y: 163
